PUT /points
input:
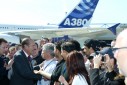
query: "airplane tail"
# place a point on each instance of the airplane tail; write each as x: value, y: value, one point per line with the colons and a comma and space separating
x: 81, y: 15
x: 113, y: 28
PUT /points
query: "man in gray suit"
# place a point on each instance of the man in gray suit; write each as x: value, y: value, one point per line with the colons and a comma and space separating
x: 22, y: 68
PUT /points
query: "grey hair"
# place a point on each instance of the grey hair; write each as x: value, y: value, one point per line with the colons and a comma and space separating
x: 49, y: 47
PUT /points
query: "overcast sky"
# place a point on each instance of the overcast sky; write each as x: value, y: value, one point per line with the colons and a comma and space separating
x: 41, y: 12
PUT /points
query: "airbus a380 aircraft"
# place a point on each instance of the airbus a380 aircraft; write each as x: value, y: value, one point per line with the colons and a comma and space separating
x: 75, y: 24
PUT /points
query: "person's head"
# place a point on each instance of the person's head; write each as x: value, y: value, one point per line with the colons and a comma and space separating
x: 44, y: 41
x: 12, y: 51
x: 66, y: 48
x: 35, y: 51
x: 48, y: 51
x: 75, y: 65
x: 91, y: 46
x: 120, y: 52
x: 106, y: 50
x: 28, y: 45
x: 102, y: 44
x: 3, y: 46
x: 57, y: 49
x: 77, y: 44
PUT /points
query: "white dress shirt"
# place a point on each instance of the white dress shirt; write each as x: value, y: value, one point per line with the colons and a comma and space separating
x: 48, y: 67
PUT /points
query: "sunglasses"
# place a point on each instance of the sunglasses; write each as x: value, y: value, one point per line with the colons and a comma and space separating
x: 115, y: 49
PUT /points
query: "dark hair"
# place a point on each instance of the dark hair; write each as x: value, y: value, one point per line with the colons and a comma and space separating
x: 103, y: 44
x: 45, y: 39
x: 2, y: 40
x: 36, y: 44
x: 58, y: 45
x: 92, y: 43
x: 25, y: 41
x: 68, y: 46
x: 13, y: 44
x: 77, y: 44
x: 75, y: 65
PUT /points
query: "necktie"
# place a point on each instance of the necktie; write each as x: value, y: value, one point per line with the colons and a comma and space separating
x: 29, y: 58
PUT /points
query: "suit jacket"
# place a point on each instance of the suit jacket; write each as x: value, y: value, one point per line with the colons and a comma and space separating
x: 3, y: 73
x: 22, y: 71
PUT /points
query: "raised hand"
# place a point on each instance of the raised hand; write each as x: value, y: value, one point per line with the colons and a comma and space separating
x: 97, y: 61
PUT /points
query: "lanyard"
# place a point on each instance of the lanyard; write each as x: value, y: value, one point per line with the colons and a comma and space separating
x: 48, y: 64
x: 44, y: 69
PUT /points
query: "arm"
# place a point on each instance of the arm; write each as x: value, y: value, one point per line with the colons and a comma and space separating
x: 94, y: 73
x: 63, y: 81
x: 38, y: 67
x: 22, y: 68
x: 10, y: 63
x: 45, y: 74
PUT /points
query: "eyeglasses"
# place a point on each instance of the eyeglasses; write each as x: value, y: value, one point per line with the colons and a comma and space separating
x: 115, y: 49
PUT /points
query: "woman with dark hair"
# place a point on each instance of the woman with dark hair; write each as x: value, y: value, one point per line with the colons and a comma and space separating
x: 77, y: 72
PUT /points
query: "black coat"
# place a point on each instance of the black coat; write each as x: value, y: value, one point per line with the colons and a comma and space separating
x: 57, y: 72
x: 38, y: 59
x: 3, y: 73
x: 104, y: 78
x: 22, y: 71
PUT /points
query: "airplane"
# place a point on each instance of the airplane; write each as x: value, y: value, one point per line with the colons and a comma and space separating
x: 76, y: 20
x: 11, y: 38
x: 75, y: 24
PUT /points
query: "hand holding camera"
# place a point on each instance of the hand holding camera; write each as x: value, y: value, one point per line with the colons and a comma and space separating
x: 97, y: 60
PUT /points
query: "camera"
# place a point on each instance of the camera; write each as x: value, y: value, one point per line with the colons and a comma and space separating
x: 103, y: 56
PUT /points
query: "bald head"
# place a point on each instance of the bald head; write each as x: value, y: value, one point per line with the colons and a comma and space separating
x: 121, y: 53
x: 121, y: 40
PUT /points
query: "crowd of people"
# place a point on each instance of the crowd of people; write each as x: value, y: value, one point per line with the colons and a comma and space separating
x: 64, y: 62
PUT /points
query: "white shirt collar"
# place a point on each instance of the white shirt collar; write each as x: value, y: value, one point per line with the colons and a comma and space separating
x: 25, y: 53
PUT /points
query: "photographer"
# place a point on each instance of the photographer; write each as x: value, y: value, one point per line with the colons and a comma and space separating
x: 106, y: 77
x: 90, y: 48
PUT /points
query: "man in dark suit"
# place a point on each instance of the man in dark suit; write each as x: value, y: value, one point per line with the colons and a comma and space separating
x: 4, y: 65
x: 22, y: 68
